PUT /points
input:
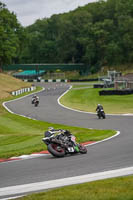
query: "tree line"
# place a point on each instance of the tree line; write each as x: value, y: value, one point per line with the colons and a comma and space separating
x: 11, y: 36
x: 98, y: 34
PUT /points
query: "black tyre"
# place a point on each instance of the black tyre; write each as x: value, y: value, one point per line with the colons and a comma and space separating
x: 103, y: 115
x: 36, y: 104
x: 56, y: 150
x: 33, y: 101
x: 99, y: 117
x: 82, y: 149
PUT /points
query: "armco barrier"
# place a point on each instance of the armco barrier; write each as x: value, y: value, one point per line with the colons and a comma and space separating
x: 21, y: 91
x: 116, y: 92
x: 46, y: 80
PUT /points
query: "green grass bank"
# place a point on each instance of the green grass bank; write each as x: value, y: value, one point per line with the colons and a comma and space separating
x: 110, y: 189
x: 86, y: 99
x: 20, y: 135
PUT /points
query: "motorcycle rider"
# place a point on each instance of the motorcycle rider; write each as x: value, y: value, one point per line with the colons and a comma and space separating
x: 33, y: 98
x: 36, y: 99
x: 100, y: 111
x: 51, y: 131
x: 99, y: 107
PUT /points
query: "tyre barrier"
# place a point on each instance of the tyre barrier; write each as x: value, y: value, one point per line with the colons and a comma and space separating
x: 98, y: 86
x: 46, y: 80
x: 103, y: 86
x: 83, y: 80
x: 116, y: 92
x: 21, y: 91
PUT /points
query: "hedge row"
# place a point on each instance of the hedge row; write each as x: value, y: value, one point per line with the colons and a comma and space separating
x: 116, y: 92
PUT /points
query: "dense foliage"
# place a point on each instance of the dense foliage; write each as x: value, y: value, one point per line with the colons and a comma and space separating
x: 11, y: 34
x: 97, y: 34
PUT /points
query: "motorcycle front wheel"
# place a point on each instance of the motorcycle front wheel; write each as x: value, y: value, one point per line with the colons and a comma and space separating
x: 56, y: 150
x: 82, y: 149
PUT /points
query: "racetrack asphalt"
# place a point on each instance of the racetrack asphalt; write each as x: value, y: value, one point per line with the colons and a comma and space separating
x: 113, y: 154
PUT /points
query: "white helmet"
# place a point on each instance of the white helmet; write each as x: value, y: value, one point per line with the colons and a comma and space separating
x: 50, y: 128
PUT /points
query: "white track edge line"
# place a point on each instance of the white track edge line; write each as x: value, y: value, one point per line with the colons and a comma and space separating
x: 129, y: 170
x: 30, y: 156
x: 31, y: 187
x: 58, y: 100
x: 117, y: 133
x: 3, y: 104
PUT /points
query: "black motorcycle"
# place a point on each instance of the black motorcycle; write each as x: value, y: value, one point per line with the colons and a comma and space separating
x: 101, y: 114
x: 32, y: 100
x: 60, y: 145
x: 36, y: 103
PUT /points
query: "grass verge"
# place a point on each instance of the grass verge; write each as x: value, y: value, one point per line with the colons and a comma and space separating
x: 110, y: 189
x: 88, y: 98
x: 20, y: 135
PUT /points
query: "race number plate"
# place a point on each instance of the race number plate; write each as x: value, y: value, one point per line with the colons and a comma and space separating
x: 70, y: 149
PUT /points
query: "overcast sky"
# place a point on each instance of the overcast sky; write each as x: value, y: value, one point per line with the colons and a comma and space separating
x: 28, y: 11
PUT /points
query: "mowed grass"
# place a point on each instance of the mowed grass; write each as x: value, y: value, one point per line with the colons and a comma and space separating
x: 19, y: 135
x: 88, y: 98
x: 110, y: 189
x: 9, y: 83
x: 79, y: 85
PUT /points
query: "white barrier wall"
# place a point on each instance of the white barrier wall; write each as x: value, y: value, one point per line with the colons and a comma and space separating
x: 47, y: 80
x: 21, y: 91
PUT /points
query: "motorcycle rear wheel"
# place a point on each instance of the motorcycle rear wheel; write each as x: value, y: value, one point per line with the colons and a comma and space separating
x: 56, y: 150
x: 36, y: 104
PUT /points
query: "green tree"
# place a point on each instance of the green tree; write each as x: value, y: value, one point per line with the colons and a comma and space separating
x: 9, y: 40
x: 98, y: 34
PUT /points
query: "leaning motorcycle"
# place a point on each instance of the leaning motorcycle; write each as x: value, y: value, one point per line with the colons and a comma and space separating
x: 101, y: 114
x: 32, y: 100
x: 61, y: 145
x: 36, y: 103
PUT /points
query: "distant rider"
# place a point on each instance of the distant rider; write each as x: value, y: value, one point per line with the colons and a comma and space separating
x: 99, y: 107
x: 35, y: 98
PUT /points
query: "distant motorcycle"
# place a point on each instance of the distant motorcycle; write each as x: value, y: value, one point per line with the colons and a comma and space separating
x: 36, y: 102
x: 32, y: 100
x: 60, y: 145
x: 101, y: 114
